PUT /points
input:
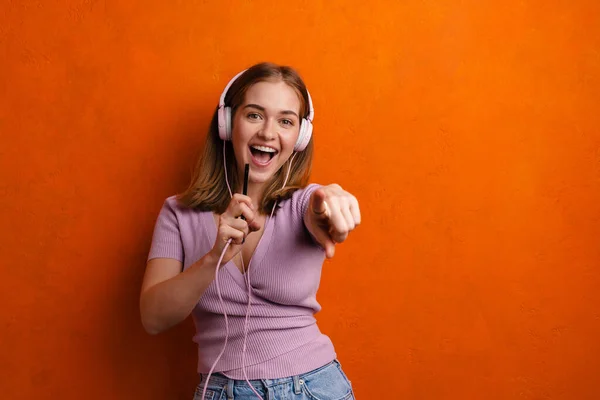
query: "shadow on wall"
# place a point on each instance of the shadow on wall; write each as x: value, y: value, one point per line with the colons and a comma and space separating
x: 165, y: 362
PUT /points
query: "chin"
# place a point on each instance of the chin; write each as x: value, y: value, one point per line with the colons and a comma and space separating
x: 260, y: 177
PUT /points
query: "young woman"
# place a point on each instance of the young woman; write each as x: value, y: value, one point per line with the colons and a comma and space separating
x: 247, y: 266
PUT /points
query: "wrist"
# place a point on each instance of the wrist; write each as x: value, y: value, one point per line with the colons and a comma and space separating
x: 211, y: 259
x: 207, y: 262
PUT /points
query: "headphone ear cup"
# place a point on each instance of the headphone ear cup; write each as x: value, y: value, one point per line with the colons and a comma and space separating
x: 228, y: 123
x: 304, y: 135
x: 299, y: 141
x: 222, y: 123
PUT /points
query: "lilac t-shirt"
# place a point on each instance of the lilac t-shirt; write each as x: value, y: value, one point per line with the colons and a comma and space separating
x: 285, y: 271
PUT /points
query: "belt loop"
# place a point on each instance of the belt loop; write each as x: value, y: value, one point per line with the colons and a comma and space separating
x: 297, y: 389
x: 230, y: 384
x: 269, y: 395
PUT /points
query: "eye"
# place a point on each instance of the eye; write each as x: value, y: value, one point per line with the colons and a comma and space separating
x: 287, y: 122
x: 254, y: 116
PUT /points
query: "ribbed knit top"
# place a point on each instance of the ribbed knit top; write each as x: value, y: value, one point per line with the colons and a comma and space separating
x: 285, y: 271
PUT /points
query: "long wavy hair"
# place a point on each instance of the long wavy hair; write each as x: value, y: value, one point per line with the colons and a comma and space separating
x: 207, y: 190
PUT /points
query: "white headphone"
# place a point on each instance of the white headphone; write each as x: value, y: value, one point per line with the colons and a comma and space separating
x: 224, y: 119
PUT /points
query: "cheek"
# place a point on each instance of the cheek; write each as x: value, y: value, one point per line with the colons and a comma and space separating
x: 289, y: 141
x: 240, y: 133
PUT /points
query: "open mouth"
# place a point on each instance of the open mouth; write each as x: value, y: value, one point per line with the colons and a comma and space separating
x: 262, y: 155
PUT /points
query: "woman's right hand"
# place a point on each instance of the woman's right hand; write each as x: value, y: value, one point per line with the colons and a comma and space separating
x: 231, y: 226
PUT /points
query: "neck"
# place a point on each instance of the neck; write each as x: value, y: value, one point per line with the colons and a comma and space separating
x: 256, y: 192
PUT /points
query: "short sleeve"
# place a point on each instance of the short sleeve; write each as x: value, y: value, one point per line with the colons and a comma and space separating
x: 300, y: 203
x: 166, y: 240
x: 301, y: 199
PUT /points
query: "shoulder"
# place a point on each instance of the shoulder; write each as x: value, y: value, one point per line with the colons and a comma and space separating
x: 173, y: 203
x: 297, y: 204
x: 173, y: 209
x: 304, y: 193
x: 170, y: 206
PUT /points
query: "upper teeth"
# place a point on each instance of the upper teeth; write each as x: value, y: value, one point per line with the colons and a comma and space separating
x: 264, y: 148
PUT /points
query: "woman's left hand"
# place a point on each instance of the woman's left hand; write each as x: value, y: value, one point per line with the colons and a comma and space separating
x: 331, y: 215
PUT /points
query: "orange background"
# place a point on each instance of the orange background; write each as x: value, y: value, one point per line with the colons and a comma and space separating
x: 469, y: 131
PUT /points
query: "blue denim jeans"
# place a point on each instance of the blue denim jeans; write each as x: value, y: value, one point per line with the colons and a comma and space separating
x: 328, y: 382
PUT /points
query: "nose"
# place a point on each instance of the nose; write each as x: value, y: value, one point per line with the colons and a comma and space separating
x: 268, y: 130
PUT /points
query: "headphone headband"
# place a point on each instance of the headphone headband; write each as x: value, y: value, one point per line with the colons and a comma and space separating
x: 222, y: 98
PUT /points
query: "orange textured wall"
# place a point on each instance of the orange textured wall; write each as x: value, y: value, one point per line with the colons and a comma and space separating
x: 468, y: 130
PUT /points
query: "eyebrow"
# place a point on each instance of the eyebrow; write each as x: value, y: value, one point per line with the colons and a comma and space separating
x: 261, y: 108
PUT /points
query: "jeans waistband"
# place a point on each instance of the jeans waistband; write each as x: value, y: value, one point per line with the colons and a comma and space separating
x: 218, y: 379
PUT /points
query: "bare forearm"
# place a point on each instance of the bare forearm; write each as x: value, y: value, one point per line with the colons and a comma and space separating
x: 169, y: 302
